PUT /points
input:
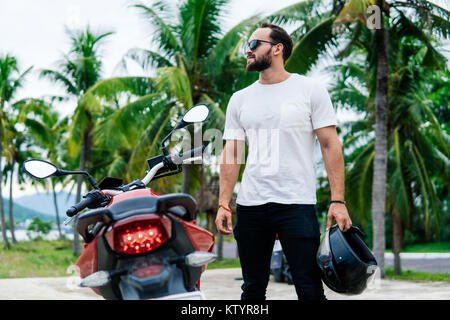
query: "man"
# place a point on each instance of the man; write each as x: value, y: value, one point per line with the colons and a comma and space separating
x: 279, y: 116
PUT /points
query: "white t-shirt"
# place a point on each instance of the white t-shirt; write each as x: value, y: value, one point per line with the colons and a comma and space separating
x: 277, y: 122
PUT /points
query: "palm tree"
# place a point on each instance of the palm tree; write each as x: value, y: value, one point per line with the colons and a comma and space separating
x: 79, y: 70
x: 415, y: 152
x: 44, y: 130
x: 194, y: 61
x: 14, y: 155
x: 10, y: 81
x: 429, y: 16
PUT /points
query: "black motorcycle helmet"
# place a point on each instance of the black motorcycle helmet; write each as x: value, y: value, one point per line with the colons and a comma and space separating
x: 346, y: 262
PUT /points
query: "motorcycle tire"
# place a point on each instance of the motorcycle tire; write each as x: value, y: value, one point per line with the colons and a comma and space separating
x: 278, y: 275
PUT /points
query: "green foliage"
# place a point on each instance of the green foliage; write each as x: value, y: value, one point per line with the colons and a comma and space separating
x: 224, y: 263
x: 428, y: 247
x: 417, y: 145
x: 411, y: 275
x: 38, y: 228
x: 39, y: 258
x: 195, y: 60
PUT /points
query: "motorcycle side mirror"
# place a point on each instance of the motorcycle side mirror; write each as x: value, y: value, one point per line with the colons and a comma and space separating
x: 197, y: 113
x: 40, y: 169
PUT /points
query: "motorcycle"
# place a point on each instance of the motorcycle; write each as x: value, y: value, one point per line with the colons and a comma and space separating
x: 139, y: 244
x: 279, y: 266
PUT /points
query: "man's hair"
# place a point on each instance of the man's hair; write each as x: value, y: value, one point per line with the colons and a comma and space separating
x: 278, y: 34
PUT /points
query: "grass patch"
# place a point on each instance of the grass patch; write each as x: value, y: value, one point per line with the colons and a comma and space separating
x: 436, y: 247
x: 417, y: 276
x: 44, y: 258
x: 224, y: 263
x: 40, y: 258
x: 226, y: 239
x: 429, y: 247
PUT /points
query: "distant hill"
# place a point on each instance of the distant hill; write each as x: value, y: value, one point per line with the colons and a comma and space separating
x: 40, y: 205
x: 22, y: 213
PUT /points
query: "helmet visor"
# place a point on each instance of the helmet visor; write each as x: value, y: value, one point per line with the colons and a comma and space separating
x: 325, y: 262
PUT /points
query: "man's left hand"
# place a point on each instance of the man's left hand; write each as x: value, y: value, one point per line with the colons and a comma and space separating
x: 338, y: 212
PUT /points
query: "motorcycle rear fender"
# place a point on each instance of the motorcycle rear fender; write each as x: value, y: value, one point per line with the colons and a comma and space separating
x: 179, y: 244
x: 168, y: 283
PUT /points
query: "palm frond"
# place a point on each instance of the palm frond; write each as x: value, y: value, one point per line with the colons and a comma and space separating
x: 297, y: 12
x: 41, y: 132
x: 200, y: 27
x: 175, y: 82
x: 429, y: 186
x: 118, y: 167
x: 163, y: 35
x: 433, y: 59
x: 398, y: 185
x: 359, y: 181
x: 150, y: 139
x: 123, y: 126
x: 19, y: 81
x: 307, y: 50
x: 148, y: 58
x: 429, y: 14
x: 228, y: 46
x: 109, y: 89
x: 58, y: 77
x: 354, y: 11
x: 423, y: 189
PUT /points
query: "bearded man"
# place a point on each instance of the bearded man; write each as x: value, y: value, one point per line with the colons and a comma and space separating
x: 279, y: 116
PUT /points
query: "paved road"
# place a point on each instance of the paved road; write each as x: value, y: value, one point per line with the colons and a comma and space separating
x: 426, y: 262
x: 221, y: 284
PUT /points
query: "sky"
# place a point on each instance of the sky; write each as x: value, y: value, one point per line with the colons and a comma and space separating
x: 34, y: 31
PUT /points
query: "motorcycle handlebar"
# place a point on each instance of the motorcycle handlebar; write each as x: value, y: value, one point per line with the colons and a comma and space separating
x: 178, y: 159
x: 96, y: 196
x: 90, y: 198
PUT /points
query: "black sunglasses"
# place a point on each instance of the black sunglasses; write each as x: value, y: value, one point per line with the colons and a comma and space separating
x: 252, y: 45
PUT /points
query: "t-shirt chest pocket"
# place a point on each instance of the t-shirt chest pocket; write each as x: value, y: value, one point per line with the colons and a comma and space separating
x: 295, y: 114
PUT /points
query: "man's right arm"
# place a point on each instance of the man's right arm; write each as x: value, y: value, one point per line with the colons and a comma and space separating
x: 229, y: 173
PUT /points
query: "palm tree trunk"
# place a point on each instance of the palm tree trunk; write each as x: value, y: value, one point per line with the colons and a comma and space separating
x: 11, y: 216
x: 84, y: 157
x: 380, y: 159
x: 76, y: 238
x: 2, y: 212
x: 397, y: 240
x: 186, y: 180
x: 55, y: 202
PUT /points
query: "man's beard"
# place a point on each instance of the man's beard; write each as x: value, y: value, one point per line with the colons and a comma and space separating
x: 262, y: 64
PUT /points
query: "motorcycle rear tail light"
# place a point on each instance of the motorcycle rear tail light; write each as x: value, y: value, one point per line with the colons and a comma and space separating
x: 139, y: 237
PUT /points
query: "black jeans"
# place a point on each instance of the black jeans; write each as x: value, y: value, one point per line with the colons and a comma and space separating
x: 298, y: 231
